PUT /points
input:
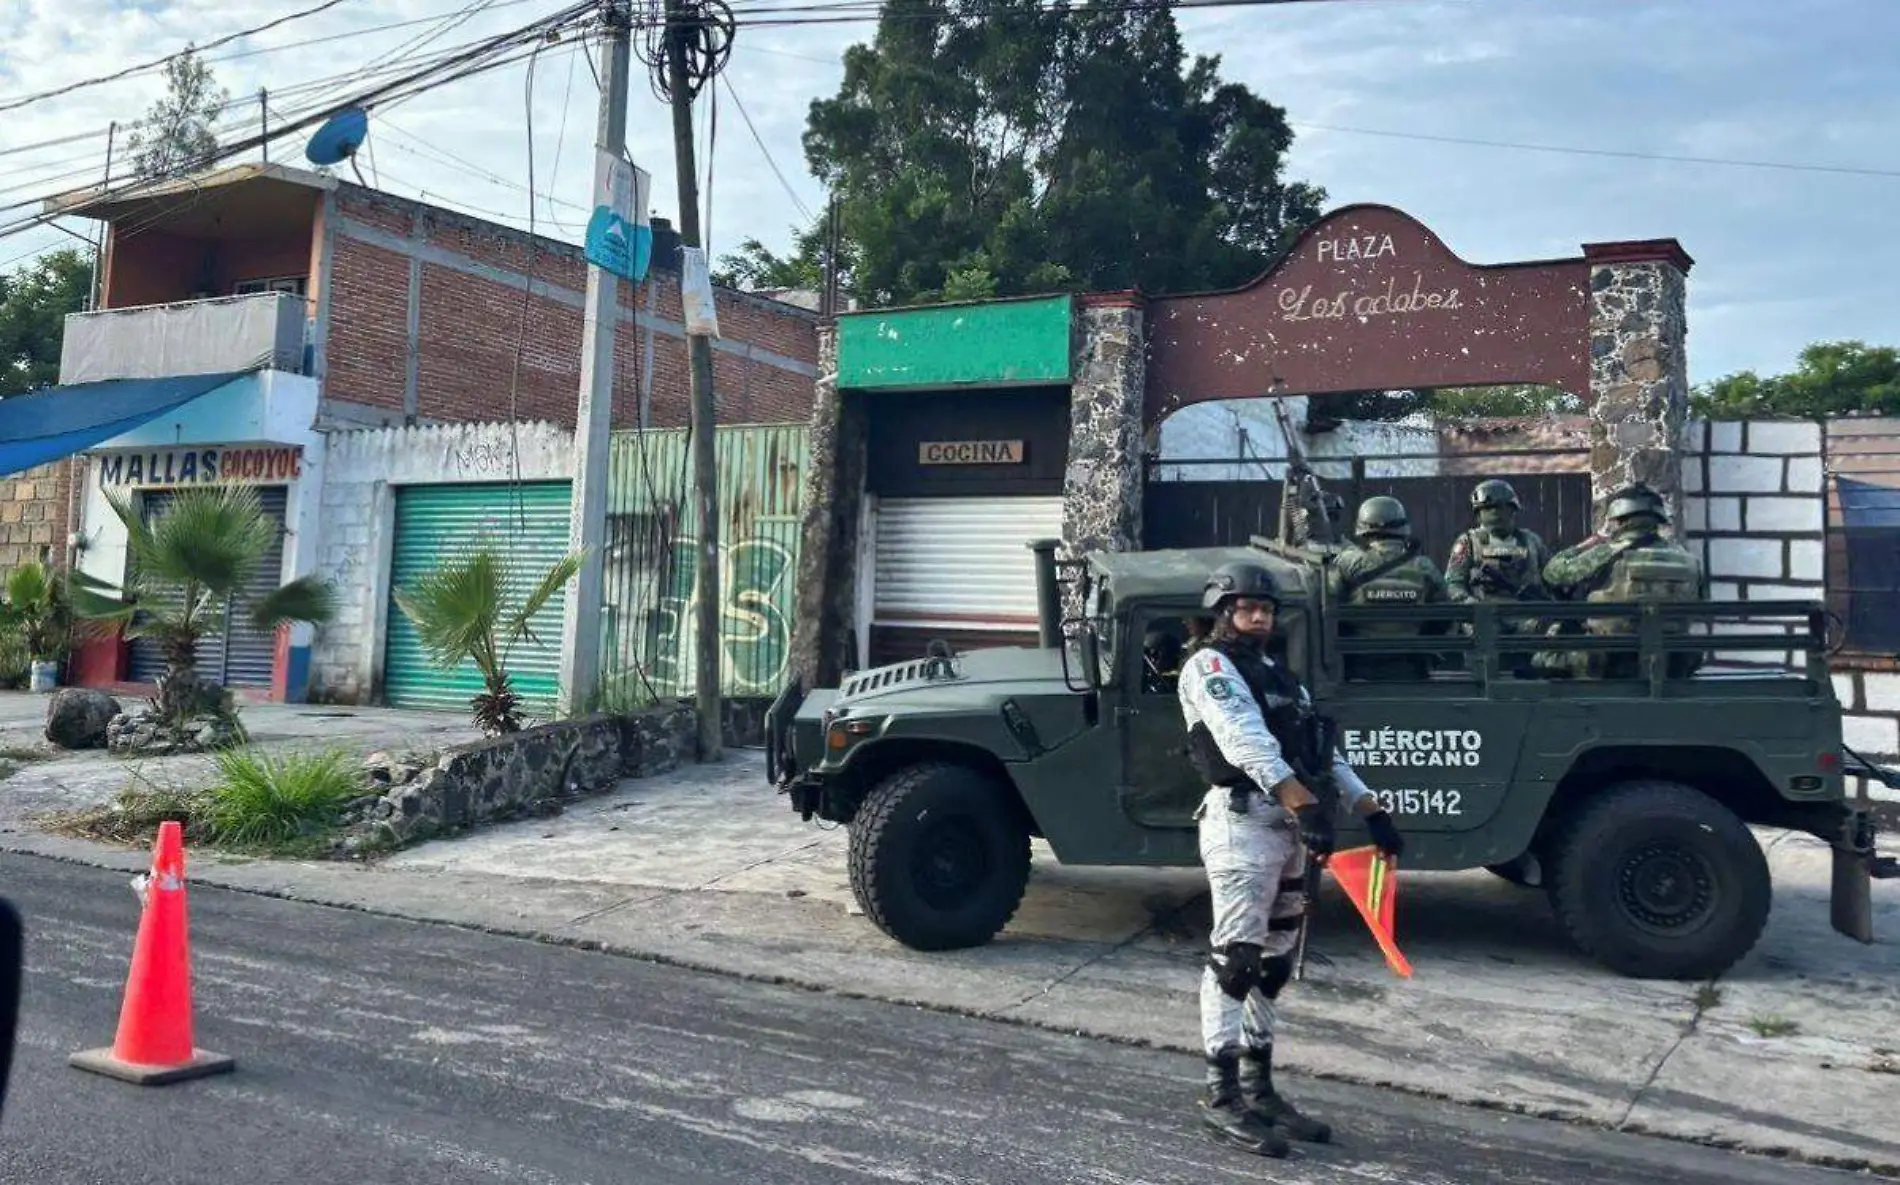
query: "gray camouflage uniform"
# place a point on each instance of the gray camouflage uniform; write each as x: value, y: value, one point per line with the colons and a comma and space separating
x: 1255, y: 860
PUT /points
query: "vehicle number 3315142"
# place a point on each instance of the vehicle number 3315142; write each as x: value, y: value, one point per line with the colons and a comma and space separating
x: 1420, y: 802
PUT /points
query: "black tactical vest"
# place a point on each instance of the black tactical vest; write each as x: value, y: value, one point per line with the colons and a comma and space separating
x: 1277, y: 692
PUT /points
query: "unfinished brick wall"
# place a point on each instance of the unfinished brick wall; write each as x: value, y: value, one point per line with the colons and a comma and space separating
x: 34, y: 515
x: 455, y: 286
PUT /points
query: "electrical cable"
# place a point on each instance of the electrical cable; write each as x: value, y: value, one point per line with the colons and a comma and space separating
x: 527, y: 300
x: 156, y: 63
x: 797, y: 202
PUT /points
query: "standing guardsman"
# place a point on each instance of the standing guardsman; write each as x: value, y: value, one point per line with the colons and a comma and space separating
x: 1254, y: 735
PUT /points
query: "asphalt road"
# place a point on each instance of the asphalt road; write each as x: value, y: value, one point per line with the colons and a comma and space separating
x: 372, y: 1050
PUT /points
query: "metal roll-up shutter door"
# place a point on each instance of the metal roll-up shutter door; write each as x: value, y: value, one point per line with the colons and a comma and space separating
x: 958, y: 568
x: 235, y: 653
x: 435, y: 522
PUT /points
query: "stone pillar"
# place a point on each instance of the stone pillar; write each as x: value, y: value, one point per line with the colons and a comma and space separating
x: 825, y: 615
x: 1101, y: 488
x: 1639, y: 368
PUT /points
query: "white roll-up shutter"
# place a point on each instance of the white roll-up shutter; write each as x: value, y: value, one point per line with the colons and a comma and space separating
x: 960, y: 563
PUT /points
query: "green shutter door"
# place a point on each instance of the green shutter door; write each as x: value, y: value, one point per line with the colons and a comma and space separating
x: 434, y: 522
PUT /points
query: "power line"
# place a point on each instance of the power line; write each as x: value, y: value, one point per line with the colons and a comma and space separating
x: 1612, y: 152
x: 798, y: 202
x: 69, y: 88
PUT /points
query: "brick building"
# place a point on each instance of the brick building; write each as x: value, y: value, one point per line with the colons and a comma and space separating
x: 303, y: 305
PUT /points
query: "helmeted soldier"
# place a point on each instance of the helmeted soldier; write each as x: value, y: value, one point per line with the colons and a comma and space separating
x: 1253, y: 734
x: 1384, y: 566
x: 1631, y: 560
x: 1496, y: 560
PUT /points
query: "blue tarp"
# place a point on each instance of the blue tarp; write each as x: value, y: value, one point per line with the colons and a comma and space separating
x: 60, y: 421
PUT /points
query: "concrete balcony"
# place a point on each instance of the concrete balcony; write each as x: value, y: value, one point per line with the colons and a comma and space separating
x: 264, y: 330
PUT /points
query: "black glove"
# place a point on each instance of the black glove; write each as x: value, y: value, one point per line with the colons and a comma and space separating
x: 1316, y: 829
x: 1385, y: 833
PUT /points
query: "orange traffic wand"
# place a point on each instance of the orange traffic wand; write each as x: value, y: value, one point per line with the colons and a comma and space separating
x: 1370, y: 879
x: 155, y: 1043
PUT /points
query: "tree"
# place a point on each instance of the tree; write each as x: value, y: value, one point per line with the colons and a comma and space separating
x: 1504, y: 401
x: 1832, y: 378
x: 34, y: 302
x: 176, y: 136
x: 461, y: 612
x: 191, y: 561
x: 998, y: 147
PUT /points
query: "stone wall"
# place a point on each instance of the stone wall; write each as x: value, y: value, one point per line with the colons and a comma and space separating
x: 529, y: 771
x: 831, y: 511
x: 358, y: 520
x: 1639, y: 368
x: 1101, y: 488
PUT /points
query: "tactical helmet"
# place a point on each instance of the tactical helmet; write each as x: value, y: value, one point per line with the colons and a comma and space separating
x: 1382, y: 515
x: 1239, y: 579
x: 1494, y: 492
x: 1637, y: 499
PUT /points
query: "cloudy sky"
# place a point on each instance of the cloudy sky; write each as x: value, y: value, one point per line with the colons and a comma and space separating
x: 1380, y: 93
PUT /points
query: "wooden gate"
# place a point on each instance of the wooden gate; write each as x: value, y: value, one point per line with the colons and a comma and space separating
x: 1225, y: 513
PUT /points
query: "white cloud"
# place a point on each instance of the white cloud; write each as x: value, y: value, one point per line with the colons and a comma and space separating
x: 1782, y: 257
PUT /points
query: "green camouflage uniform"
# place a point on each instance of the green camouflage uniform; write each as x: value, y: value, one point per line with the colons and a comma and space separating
x: 1632, y: 562
x: 1355, y: 578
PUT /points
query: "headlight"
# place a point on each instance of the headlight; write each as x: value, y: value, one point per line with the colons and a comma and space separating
x: 845, y: 731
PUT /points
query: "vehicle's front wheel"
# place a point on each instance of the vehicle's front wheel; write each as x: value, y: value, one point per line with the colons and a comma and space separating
x: 939, y: 857
x: 1657, y: 880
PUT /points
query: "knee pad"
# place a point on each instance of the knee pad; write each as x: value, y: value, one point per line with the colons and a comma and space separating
x: 1274, y: 974
x: 1236, y: 968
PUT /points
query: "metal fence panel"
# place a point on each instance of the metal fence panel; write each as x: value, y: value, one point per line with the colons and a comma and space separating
x: 651, y: 571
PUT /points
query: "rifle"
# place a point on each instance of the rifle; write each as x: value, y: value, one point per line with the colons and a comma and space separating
x: 1315, y: 770
x: 1307, y: 511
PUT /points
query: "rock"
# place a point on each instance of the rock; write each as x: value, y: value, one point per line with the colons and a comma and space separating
x: 78, y: 718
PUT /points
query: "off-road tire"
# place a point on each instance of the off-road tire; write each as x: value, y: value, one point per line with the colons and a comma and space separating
x: 912, y: 844
x: 1656, y: 880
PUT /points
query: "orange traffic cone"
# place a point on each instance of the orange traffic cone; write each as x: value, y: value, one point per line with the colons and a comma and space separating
x: 155, y: 1043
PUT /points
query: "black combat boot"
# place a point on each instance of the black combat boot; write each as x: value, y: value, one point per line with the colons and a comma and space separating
x: 1256, y: 1076
x: 1224, y: 1111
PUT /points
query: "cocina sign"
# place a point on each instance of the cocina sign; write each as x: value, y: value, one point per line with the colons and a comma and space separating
x: 201, y: 466
x: 970, y: 452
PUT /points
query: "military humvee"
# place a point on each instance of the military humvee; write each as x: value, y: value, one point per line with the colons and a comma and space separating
x: 1627, y: 799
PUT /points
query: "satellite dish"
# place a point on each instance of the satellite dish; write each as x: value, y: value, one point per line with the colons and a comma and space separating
x: 339, y: 137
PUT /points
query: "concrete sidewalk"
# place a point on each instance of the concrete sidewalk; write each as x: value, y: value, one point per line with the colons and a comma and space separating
x: 709, y: 868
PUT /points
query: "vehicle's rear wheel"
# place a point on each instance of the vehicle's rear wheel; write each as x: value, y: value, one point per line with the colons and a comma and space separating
x: 939, y: 856
x: 1657, y: 880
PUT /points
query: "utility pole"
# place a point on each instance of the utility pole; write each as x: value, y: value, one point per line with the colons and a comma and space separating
x: 587, y: 528
x: 263, y: 120
x: 682, y: 26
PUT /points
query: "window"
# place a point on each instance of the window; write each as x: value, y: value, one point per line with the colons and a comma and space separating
x: 295, y: 285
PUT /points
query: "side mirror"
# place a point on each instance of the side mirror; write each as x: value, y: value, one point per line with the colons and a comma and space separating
x: 12, y: 959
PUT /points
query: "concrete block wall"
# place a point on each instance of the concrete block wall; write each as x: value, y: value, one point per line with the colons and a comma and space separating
x: 363, y: 469
x: 34, y: 515
x: 1870, y: 725
x: 1755, y: 509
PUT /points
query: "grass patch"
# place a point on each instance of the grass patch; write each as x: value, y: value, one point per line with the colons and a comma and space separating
x: 285, y: 805
x: 1773, y: 1026
x: 1707, y: 996
x: 264, y: 801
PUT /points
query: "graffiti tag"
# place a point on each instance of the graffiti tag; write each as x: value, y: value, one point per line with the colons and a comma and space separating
x: 755, y: 631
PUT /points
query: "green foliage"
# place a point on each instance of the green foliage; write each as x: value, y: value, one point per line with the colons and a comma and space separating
x: 177, y: 135
x: 984, y: 148
x: 34, y: 302
x: 38, y: 611
x: 1504, y: 401
x: 260, y: 800
x: 190, y: 561
x: 1832, y: 378
x: 461, y: 611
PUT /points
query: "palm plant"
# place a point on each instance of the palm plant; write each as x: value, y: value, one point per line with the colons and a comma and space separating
x: 461, y: 610
x: 187, y: 565
x: 37, y: 606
